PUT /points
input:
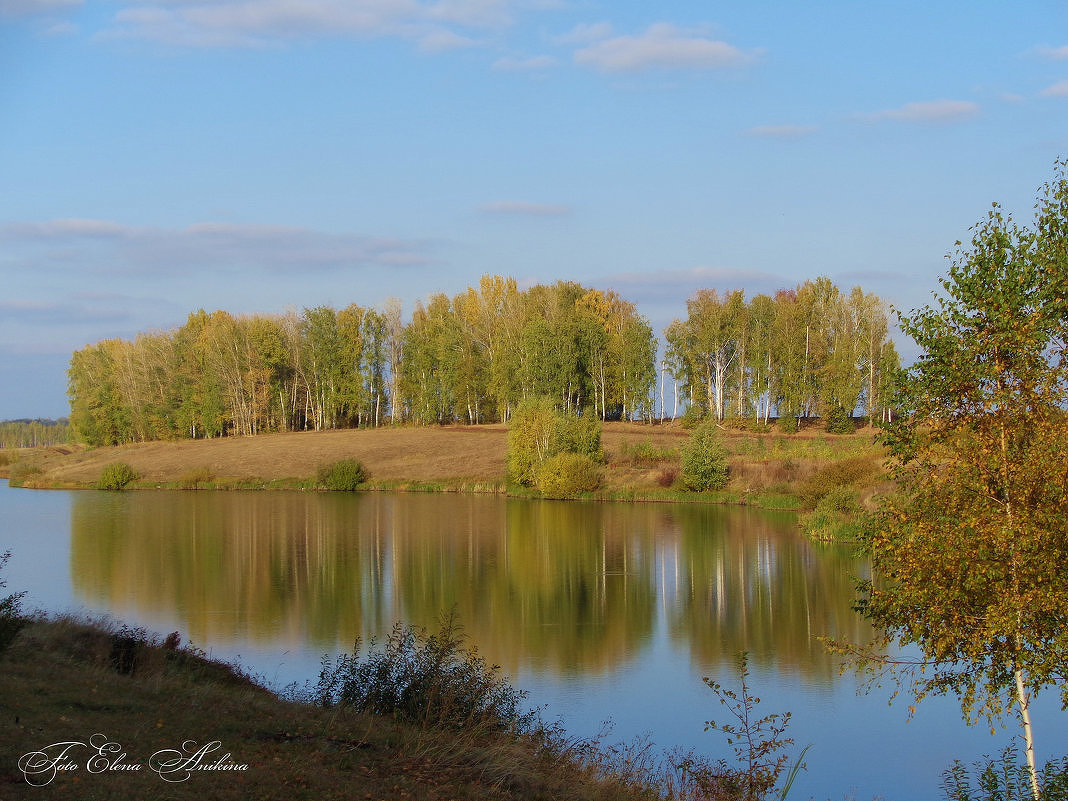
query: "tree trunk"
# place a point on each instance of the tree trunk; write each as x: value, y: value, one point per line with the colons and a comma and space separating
x: 1024, y: 702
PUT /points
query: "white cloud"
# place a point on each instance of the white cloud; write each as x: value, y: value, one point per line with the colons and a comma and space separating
x: 935, y: 111
x: 442, y: 40
x: 584, y: 33
x: 525, y: 208
x: 662, y: 46
x: 525, y: 64
x: 258, y: 23
x: 1054, y: 53
x: 104, y: 247
x: 1059, y: 89
x: 62, y: 228
x: 782, y: 131
x: 14, y: 8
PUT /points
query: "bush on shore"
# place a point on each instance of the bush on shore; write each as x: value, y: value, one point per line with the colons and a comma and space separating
x: 343, y: 476
x: 116, y: 476
x: 704, y: 459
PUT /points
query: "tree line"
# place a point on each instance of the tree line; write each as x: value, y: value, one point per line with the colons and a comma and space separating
x: 473, y: 357
x: 809, y: 351
x: 26, y: 433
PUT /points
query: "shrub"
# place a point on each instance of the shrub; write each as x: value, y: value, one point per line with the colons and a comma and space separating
x: 11, y: 618
x: 196, y: 478
x: 840, y: 421
x: 787, y: 423
x: 843, y: 473
x: 531, y: 439
x: 704, y: 459
x: 434, y: 680
x: 667, y: 476
x: 693, y: 416
x: 344, y: 476
x: 580, y: 434
x: 116, y: 476
x: 1004, y: 779
x: 838, y: 515
x: 567, y: 474
x: 537, y: 432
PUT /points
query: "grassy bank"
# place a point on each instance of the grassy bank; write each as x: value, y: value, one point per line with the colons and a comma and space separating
x: 99, y: 711
x: 767, y: 469
x: 64, y: 681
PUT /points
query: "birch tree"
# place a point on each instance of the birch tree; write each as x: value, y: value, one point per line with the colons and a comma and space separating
x: 970, y: 556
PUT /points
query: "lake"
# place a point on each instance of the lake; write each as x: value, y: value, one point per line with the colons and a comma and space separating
x: 599, y: 610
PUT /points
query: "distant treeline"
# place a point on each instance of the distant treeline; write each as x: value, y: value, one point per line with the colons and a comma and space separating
x: 26, y: 433
x: 472, y: 358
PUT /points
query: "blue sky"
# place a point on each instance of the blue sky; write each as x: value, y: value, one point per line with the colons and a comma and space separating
x: 160, y: 156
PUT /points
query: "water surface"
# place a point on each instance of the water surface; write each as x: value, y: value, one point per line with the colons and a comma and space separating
x: 601, y: 611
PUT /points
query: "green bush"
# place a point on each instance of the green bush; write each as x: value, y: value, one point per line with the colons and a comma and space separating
x: 840, y: 421
x: 787, y: 423
x: 693, y: 416
x: 838, y: 515
x: 531, y: 439
x: 704, y: 459
x: 116, y: 476
x: 1004, y: 779
x: 568, y: 474
x: 434, y: 680
x: 580, y: 434
x: 537, y: 432
x: 344, y: 476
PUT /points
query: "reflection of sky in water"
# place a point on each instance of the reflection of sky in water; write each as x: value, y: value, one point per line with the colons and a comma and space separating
x: 861, y: 745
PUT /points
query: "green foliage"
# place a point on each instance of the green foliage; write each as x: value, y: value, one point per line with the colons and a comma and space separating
x: 564, y: 475
x: 12, y: 620
x: 787, y: 423
x: 704, y: 459
x: 1004, y: 779
x: 838, y: 515
x: 531, y: 439
x: 840, y: 421
x: 116, y: 476
x: 33, y: 433
x: 580, y: 434
x: 692, y: 417
x: 759, y: 745
x: 971, y: 555
x: 538, y: 433
x: 433, y: 680
x: 345, y: 475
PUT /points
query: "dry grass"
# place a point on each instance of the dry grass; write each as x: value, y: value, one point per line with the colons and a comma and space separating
x: 59, y: 682
x: 470, y: 458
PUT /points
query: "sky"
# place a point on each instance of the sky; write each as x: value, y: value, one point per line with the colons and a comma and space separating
x: 162, y: 156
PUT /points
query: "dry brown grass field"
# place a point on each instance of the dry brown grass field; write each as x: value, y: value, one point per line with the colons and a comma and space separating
x: 456, y: 457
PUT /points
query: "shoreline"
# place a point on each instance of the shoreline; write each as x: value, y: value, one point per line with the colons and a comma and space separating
x: 769, y: 470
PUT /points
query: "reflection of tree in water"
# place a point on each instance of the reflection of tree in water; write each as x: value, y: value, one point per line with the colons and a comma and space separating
x: 551, y: 585
x: 565, y: 587
x: 743, y: 582
x: 234, y: 564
